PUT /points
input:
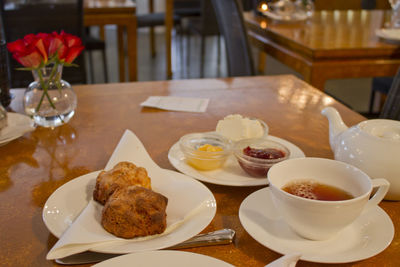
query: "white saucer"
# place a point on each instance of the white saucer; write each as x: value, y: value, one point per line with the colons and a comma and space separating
x: 163, y: 258
x: 296, y: 17
x: 369, y: 235
x: 391, y: 35
x: 231, y: 173
x: 17, y: 125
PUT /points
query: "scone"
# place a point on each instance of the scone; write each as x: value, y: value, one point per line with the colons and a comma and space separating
x: 135, y: 211
x: 122, y: 175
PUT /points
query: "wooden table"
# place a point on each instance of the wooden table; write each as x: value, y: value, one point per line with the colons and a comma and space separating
x: 123, y: 14
x: 331, y: 45
x: 33, y: 166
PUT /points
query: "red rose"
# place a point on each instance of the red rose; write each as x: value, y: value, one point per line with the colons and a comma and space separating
x: 74, y: 45
x: 35, y: 50
x: 57, y: 46
x: 29, y: 51
x: 46, y: 40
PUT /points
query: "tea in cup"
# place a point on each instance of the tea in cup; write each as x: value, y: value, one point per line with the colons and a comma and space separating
x: 319, y: 197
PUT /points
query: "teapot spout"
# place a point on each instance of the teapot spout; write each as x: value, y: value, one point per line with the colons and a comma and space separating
x: 336, y: 125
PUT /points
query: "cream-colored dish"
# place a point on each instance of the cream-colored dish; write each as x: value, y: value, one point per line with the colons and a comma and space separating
x: 230, y: 173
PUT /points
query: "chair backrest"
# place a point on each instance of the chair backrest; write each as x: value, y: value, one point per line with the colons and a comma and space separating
x: 187, y: 4
x: 391, y: 108
x: 24, y: 17
x: 208, y: 19
x: 231, y: 25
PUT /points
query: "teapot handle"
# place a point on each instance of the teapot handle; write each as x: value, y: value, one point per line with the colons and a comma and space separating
x: 383, y: 187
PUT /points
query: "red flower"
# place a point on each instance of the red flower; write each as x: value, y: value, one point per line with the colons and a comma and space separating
x: 34, y: 50
x: 57, y: 46
x: 74, y: 45
x: 29, y: 51
x: 66, y: 46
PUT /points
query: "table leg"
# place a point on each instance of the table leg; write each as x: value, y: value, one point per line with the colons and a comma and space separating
x: 261, y: 61
x: 132, y: 49
x: 102, y: 34
x: 318, y: 81
x: 169, y: 9
x: 121, y: 50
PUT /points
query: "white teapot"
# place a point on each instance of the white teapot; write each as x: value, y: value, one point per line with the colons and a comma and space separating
x: 372, y: 145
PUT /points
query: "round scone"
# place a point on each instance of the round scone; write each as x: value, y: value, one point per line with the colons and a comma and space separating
x: 122, y: 175
x: 135, y: 211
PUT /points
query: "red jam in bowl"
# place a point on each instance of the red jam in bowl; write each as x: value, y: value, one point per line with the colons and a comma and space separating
x: 263, y: 153
x: 260, y: 169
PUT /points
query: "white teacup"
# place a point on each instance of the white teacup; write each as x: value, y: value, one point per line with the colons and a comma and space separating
x: 320, y: 219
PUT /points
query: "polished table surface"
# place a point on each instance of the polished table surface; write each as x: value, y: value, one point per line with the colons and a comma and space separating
x: 123, y: 14
x: 330, y: 45
x: 35, y: 165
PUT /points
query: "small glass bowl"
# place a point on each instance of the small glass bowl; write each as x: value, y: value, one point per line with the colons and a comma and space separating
x: 205, y: 160
x: 258, y: 167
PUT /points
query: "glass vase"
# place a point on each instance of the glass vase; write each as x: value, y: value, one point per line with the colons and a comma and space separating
x: 49, y: 100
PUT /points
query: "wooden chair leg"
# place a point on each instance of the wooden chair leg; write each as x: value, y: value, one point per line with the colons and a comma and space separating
x: 202, y: 55
x: 102, y: 33
x: 91, y: 66
x: 382, y: 99
x: 152, y: 39
x: 152, y: 42
x: 105, y: 67
x: 219, y: 52
x: 261, y: 61
x: 371, y: 102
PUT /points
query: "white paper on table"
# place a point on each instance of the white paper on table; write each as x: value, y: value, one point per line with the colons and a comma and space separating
x: 86, y: 232
x: 176, y: 103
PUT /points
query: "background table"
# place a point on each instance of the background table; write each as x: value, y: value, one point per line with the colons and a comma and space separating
x: 330, y: 45
x: 33, y: 166
x: 123, y: 14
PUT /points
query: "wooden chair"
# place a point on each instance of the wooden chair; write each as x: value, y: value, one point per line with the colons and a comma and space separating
x: 95, y: 44
x: 205, y: 26
x: 231, y: 25
x: 391, y: 108
x: 182, y: 8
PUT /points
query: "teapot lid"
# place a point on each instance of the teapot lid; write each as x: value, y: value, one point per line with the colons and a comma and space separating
x: 383, y: 129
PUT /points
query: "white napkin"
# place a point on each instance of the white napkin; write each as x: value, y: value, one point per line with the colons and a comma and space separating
x: 175, y: 103
x: 86, y: 232
x: 289, y: 260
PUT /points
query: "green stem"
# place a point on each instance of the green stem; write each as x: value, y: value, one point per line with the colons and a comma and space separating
x: 45, y: 86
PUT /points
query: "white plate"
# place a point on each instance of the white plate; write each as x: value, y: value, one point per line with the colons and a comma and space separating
x: 231, y: 173
x: 66, y: 203
x: 292, y: 18
x: 367, y: 236
x: 163, y: 258
x: 392, y: 35
x: 17, y: 125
